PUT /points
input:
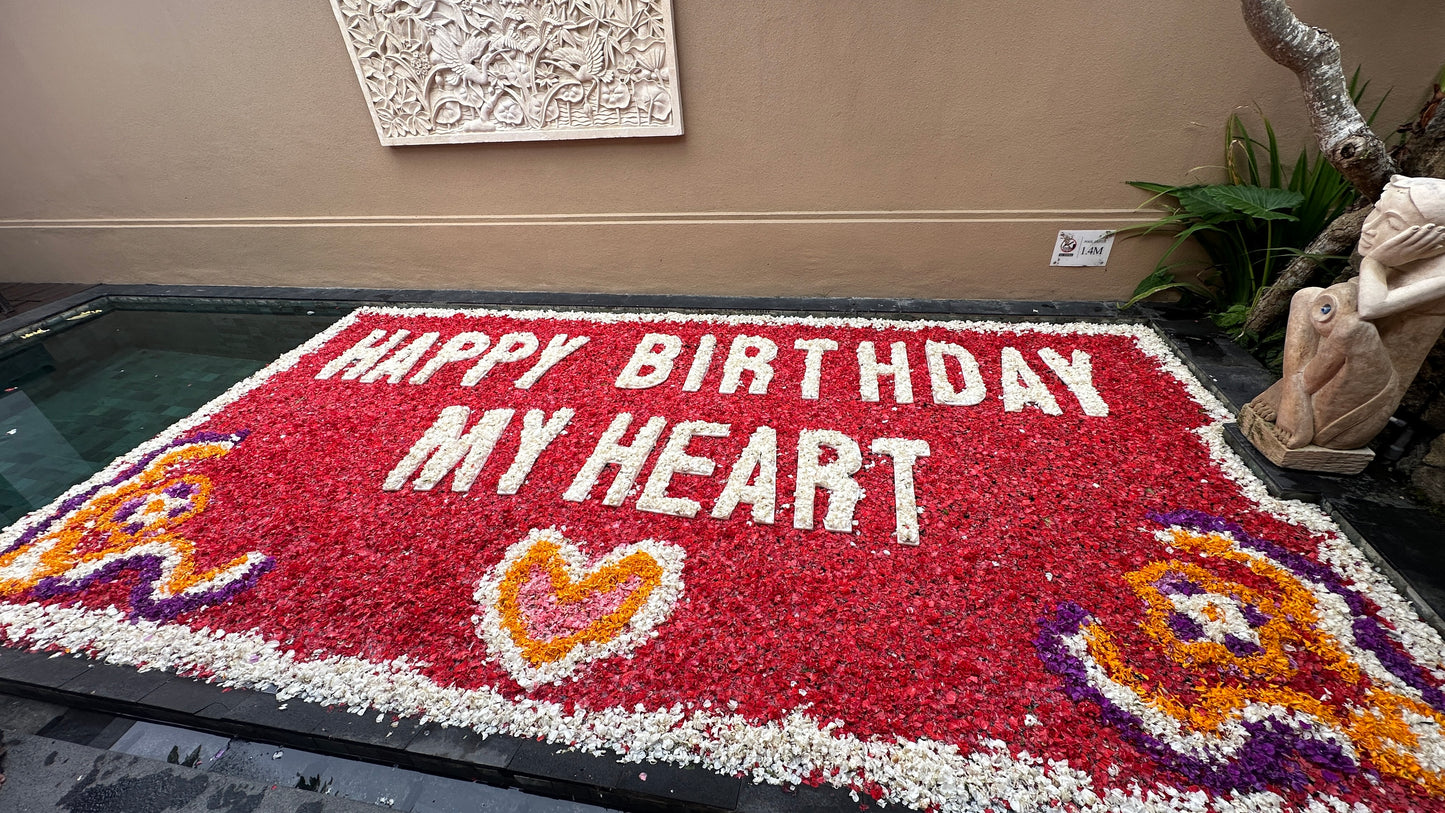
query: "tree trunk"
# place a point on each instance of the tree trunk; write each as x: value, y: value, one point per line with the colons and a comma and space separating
x: 1338, y: 238
x: 1422, y: 152
x: 1345, y: 139
x: 1420, y: 155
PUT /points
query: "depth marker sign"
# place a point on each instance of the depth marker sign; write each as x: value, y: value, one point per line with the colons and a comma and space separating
x: 944, y: 563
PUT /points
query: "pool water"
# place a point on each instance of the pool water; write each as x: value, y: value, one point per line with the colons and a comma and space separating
x: 74, y: 399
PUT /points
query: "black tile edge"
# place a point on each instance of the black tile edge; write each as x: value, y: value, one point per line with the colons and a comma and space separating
x: 765, y: 798
x: 47, y: 669
x: 121, y: 683
x: 689, y: 785
x: 85, y: 727
x: 1281, y: 483
x: 1175, y: 333
x: 506, y: 761
x: 1383, y: 564
x: 992, y: 308
x: 50, y: 312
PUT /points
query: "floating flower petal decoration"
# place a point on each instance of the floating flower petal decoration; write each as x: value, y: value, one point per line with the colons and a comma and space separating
x: 924, y: 561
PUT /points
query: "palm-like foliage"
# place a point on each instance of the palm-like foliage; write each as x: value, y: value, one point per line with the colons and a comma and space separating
x: 1249, y: 227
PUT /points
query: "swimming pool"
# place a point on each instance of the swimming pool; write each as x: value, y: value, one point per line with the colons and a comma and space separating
x: 81, y: 389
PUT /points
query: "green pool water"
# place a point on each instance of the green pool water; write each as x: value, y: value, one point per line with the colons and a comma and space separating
x: 90, y: 389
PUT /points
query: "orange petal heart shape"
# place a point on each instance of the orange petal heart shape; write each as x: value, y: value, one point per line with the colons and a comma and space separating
x: 546, y: 610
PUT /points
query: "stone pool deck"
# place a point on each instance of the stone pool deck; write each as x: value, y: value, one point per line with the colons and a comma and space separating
x: 88, y: 736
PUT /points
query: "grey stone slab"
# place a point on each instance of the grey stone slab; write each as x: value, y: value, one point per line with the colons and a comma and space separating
x: 25, y: 716
x: 442, y: 795
x: 464, y: 745
x: 333, y: 730
x: 1405, y: 543
x: 188, y: 696
x: 47, y: 669
x: 285, y: 767
x: 85, y: 727
x: 65, y: 776
x: 370, y: 728
x: 1224, y: 367
x: 50, y: 310
x: 155, y: 741
x: 1237, y: 386
x: 765, y: 798
x: 261, y: 716
x: 542, y: 765
x: 110, y: 682
x: 47, y: 775
x: 691, y: 785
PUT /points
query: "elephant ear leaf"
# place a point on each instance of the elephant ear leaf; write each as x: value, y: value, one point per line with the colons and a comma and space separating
x: 1200, y: 202
x: 1259, y: 202
x: 1161, y: 280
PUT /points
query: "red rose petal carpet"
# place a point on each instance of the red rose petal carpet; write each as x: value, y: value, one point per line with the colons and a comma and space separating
x: 953, y: 565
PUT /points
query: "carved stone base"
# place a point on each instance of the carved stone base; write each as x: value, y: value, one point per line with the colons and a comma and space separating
x: 1311, y: 458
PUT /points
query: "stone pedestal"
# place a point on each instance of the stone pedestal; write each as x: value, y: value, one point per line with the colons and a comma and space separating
x: 1310, y: 458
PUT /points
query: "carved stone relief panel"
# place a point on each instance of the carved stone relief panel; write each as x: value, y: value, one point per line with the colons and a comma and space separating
x: 450, y: 71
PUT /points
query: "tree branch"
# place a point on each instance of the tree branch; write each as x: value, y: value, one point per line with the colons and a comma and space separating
x: 1421, y: 151
x: 1337, y: 239
x: 1345, y: 140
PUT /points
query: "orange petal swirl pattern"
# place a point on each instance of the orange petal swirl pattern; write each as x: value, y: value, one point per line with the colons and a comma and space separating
x: 133, y: 525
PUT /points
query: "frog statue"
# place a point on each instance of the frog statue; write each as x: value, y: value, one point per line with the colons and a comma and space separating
x: 1352, y: 349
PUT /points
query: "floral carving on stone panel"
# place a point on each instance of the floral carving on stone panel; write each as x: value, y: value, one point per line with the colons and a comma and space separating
x: 452, y: 71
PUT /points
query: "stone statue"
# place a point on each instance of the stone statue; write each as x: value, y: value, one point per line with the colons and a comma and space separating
x: 1351, y: 350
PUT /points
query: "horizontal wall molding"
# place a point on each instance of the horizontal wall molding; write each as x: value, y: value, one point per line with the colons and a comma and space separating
x: 901, y: 217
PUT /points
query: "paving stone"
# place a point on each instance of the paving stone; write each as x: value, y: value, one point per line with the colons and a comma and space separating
x: 464, y: 745
x: 188, y: 696
x: 154, y: 741
x: 84, y: 727
x: 1223, y: 366
x: 69, y: 778
x: 676, y: 784
x: 765, y: 798
x: 260, y: 716
x: 373, y: 728
x: 1236, y: 386
x: 22, y: 715
x: 285, y: 767
x: 46, y: 669
x: 442, y: 795
x: 118, y: 683
x: 1409, y: 540
x: 545, y: 767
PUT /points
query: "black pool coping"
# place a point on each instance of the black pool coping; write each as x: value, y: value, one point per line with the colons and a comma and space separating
x: 60, y: 774
x: 1395, y: 533
x: 101, y: 692
x: 224, y: 297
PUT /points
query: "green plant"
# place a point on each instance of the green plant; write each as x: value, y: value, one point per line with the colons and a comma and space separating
x: 1251, y: 226
x: 1235, y: 224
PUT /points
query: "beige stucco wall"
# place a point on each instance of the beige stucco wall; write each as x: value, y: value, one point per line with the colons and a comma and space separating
x: 832, y: 148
